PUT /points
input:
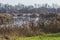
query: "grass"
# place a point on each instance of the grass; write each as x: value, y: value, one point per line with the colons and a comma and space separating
x: 42, y: 37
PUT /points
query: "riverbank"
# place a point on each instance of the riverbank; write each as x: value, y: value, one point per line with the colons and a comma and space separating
x: 54, y: 36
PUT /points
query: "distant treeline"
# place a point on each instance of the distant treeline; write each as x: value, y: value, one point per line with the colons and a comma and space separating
x: 21, y: 8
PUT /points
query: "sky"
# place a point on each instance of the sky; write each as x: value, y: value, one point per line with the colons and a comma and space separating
x: 30, y: 2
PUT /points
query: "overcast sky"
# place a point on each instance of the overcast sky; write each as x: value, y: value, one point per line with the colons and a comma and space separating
x: 29, y: 2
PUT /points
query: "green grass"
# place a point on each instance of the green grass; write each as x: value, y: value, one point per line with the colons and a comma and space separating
x: 42, y: 37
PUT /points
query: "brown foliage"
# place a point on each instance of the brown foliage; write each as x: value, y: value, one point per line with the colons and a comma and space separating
x: 5, y: 18
x: 32, y: 28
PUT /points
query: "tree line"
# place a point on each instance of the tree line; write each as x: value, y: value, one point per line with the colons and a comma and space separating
x: 36, y: 8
